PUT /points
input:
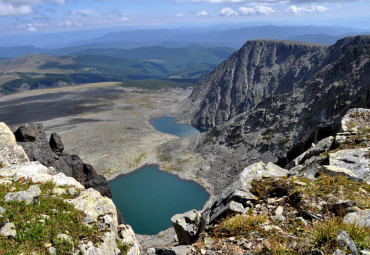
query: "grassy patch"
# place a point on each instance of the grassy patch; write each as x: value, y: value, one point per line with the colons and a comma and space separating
x: 323, y: 234
x: 239, y: 225
x: 38, y: 224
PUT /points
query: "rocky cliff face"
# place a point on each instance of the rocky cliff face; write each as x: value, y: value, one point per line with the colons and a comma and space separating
x: 301, y: 100
x: 259, y: 70
x: 263, y: 69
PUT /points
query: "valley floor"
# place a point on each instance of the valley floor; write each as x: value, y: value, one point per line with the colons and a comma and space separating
x: 105, y: 124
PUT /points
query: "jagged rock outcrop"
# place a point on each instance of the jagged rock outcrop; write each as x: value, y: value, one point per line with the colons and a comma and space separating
x: 237, y: 197
x: 99, y: 210
x: 286, y: 117
x: 51, y: 153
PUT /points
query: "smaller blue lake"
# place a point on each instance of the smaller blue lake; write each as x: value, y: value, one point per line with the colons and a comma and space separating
x: 165, y: 124
x: 148, y: 197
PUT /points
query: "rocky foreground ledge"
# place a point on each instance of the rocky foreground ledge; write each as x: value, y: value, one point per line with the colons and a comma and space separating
x: 319, y: 205
x: 43, y: 211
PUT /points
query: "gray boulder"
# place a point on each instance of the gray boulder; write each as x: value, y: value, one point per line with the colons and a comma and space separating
x: 352, y: 163
x: 33, y: 140
x: 362, y: 218
x: 224, y: 210
x: 187, y: 226
x: 344, y: 241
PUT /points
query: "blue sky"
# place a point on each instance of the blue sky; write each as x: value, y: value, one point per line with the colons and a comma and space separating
x: 35, y: 16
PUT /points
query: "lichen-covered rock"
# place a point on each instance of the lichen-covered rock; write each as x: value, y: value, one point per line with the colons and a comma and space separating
x: 354, y: 120
x: 29, y: 196
x: 37, y: 172
x: 8, y: 230
x: 10, y: 152
x: 345, y: 242
x: 94, y: 205
x: 258, y: 171
x: 127, y: 236
x: 102, y: 211
x: 362, y: 218
x: 187, y: 226
x: 352, y: 162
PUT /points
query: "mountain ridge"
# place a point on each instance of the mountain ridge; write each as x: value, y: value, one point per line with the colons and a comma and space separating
x: 281, y: 126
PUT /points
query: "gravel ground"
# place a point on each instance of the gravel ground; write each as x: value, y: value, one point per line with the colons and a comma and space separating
x: 105, y: 124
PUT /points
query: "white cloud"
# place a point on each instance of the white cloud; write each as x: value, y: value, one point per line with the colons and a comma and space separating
x: 246, y: 11
x: 264, y: 10
x: 32, y: 2
x: 228, y: 12
x: 210, y: 1
x: 69, y: 23
x: 202, y: 13
x: 124, y: 19
x: 31, y: 28
x: 257, y: 10
x: 305, y: 9
x: 83, y: 12
x: 265, y: 1
x: 7, y: 9
x: 179, y: 15
x: 22, y: 7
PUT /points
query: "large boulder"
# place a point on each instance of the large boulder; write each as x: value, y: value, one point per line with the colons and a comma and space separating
x: 33, y: 140
x: 187, y: 226
x: 353, y: 163
x: 361, y: 218
x: 10, y: 152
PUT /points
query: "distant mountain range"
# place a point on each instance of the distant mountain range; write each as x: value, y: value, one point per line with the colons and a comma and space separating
x: 35, y: 71
x: 66, y: 43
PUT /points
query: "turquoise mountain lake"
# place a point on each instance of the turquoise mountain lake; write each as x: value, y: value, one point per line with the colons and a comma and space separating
x: 148, y: 197
x: 165, y: 124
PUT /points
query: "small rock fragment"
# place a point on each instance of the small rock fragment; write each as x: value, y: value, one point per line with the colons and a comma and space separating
x: 8, y: 230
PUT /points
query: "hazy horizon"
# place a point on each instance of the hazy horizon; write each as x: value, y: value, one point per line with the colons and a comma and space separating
x: 45, y: 16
